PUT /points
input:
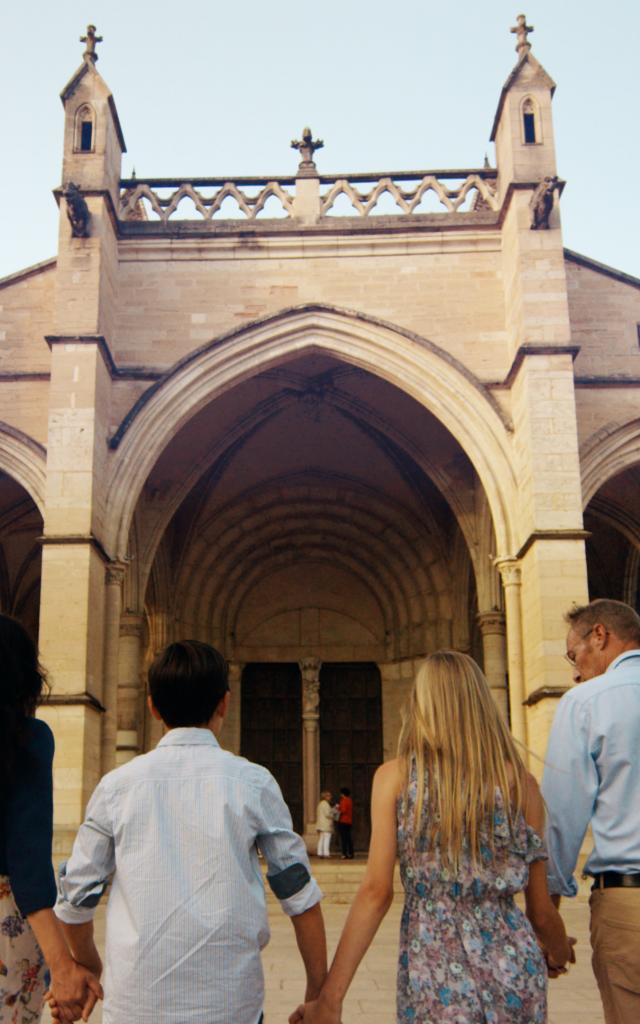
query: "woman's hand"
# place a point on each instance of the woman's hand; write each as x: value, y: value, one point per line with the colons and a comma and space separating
x: 74, y: 991
x: 317, y: 1012
x: 558, y: 959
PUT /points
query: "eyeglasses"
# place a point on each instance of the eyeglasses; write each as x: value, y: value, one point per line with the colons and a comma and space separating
x: 570, y: 656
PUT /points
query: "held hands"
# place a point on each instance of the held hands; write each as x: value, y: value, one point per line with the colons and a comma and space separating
x: 315, y: 1013
x: 74, y: 991
x: 557, y: 965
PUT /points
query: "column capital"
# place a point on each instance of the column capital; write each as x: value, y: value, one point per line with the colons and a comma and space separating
x: 131, y: 624
x: 114, y: 574
x: 310, y: 670
x: 491, y: 622
x: 510, y: 571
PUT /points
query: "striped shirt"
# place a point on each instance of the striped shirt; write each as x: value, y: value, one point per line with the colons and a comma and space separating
x: 177, y: 831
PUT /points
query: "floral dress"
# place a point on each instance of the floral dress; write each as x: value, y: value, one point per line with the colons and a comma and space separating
x: 23, y: 975
x: 468, y: 954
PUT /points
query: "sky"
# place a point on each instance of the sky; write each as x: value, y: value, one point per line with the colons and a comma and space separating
x: 219, y: 89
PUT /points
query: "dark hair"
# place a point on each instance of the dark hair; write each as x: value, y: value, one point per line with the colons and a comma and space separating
x: 616, y: 616
x: 345, y: 791
x: 187, y: 681
x: 21, y: 684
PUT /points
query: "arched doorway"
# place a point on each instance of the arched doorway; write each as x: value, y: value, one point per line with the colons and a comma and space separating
x: 331, y: 522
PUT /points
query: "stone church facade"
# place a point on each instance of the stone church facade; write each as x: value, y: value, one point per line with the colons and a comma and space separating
x: 328, y: 423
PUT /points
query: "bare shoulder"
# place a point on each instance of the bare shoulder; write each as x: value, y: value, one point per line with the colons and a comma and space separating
x: 532, y: 802
x: 388, y: 777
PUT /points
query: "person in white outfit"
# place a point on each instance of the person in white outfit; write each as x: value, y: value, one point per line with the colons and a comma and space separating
x: 324, y: 824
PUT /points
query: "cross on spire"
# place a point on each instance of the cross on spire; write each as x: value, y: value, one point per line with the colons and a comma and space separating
x: 91, y: 39
x: 307, y: 147
x: 522, y: 30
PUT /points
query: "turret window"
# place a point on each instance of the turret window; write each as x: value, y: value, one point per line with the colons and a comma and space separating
x: 530, y: 133
x: 85, y: 130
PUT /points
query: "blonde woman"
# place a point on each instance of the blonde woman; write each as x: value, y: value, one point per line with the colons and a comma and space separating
x: 465, y: 818
x: 324, y: 824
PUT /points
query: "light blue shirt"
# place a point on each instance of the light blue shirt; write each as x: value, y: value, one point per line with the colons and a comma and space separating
x: 186, y: 918
x: 592, y: 775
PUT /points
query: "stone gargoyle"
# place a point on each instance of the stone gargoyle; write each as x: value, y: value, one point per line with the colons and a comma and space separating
x: 77, y: 210
x: 541, y: 203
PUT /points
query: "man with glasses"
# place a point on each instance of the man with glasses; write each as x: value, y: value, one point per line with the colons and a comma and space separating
x: 592, y: 777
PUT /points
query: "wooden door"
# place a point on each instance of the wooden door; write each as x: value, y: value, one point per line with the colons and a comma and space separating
x: 351, y: 736
x: 271, y: 727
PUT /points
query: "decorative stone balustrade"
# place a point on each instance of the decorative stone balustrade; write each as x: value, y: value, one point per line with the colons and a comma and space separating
x: 401, y: 194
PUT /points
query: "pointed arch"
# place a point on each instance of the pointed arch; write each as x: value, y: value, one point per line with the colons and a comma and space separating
x: 606, y: 453
x: 25, y: 460
x: 409, y: 362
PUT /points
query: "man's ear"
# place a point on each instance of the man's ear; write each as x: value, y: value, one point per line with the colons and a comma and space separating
x: 602, y: 634
x: 223, y: 706
x: 153, y: 709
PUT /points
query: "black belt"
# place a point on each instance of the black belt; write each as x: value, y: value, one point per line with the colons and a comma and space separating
x: 614, y: 880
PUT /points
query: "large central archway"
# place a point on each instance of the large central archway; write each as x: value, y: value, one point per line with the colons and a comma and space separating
x: 411, y: 364
x: 312, y: 514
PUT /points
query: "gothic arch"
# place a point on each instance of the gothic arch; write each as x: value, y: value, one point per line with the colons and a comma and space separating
x: 412, y: 364
x: 607, y: 453
x: 25, y: 460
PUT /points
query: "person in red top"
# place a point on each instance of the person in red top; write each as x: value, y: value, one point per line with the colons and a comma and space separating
x: 345, y: 821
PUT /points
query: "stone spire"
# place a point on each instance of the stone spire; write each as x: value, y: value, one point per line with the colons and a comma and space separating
x: 522, y: 30
x: 91, y: 39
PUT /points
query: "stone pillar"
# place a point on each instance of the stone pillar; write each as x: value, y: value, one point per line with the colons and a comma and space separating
x: 492, y: 628
x: 130, y: 688
x: 233, y: 723
x: 310, y: 669
x: 114, y: 578
x: 512, y: 583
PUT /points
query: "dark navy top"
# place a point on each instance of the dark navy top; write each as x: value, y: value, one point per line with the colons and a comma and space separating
x: 26, y: 823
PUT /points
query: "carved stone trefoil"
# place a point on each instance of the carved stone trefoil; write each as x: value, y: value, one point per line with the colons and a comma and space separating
x: 77, y: 210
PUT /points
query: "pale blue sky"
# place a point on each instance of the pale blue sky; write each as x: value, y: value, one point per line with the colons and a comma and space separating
x: 212, y: 88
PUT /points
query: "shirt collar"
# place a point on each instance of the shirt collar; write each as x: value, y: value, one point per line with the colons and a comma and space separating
x: 623, y: 657
x: 189, y: 736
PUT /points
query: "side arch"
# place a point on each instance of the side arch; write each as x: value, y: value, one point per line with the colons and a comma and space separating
x: 607, y: 453
x: 25, y: 460
x: 410, y: 363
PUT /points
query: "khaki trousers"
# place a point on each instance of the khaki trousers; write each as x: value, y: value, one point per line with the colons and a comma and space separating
x: 615, y: 941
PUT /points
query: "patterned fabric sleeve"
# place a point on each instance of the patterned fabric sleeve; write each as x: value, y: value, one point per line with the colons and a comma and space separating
x: 535, y: 848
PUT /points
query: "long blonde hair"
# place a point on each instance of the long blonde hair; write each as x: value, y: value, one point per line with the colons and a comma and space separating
x: 454, y: 734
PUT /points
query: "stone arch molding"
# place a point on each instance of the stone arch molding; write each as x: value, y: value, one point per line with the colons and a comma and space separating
x: 606, y: 453
x: 25, y: 460
x: 411, y: 363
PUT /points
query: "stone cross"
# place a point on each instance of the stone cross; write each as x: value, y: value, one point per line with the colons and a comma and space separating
x: 522, y: 30
x: 91, y: 39
x: 307, y: 147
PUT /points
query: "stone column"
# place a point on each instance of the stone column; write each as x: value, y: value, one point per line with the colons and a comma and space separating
x: 233, y: 724
x: 310, y: 669
x: 130, y: 688
x: 492, y: 628
x: 114, y: 578
x: 512, y: 582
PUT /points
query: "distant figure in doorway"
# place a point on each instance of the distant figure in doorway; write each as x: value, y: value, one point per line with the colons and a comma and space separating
x: 466, y: 819
x: 31, y: 940
x: 325, y: 818
x: 345, y: 823
x: 592, y: 777
x: 176, y: 833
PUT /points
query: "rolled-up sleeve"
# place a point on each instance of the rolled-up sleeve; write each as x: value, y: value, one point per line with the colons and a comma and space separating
x: 570, y: 789
x: 288, y: 869
x: 85, y: 876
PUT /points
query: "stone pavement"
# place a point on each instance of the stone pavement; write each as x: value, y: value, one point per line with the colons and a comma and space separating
x: 573, y: 998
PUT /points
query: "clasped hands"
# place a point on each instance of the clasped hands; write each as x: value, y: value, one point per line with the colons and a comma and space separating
x: 74, y: 991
